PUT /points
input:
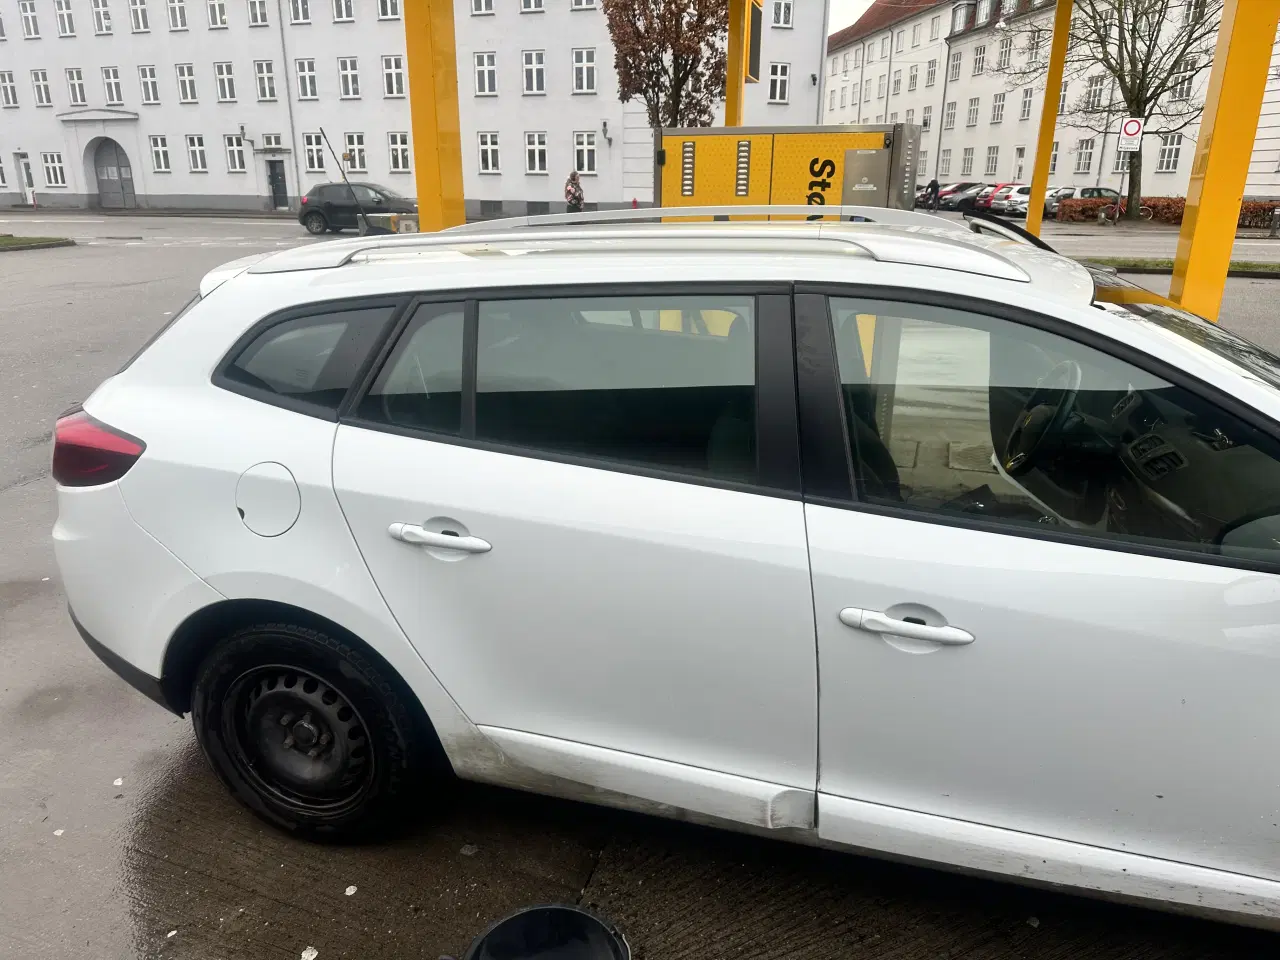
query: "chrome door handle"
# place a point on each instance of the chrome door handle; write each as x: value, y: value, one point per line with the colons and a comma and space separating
x: 877, y: 622
x: 413, y: 533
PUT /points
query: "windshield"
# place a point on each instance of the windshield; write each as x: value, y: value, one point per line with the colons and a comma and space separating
x: 1153, y: 308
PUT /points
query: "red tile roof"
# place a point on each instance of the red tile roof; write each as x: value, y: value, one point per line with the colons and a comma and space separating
x: 879, y: 15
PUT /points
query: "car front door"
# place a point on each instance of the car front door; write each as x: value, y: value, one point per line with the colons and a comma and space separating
x: 590, y: 529
x: 340, y: 205
x: 1047, y: 604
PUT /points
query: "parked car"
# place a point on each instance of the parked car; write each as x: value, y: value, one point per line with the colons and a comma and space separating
x: 995, y: 202
x: 1015, y: 202
x: 615, y: 522
x: 962, y: 199
x: 1052, y: 201
x: 332, y: 206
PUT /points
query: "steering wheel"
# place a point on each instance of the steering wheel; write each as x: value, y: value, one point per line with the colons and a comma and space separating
x: 1042, y: 416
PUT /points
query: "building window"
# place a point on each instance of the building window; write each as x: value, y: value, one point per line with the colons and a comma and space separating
x: 186, y: 82
x: 40, y: 83
x: 101, y: 17
x: 489, y: 160
x: 966, y: 162
x: 299, y: 11
x: 880, y: 87
x: 8, y: 89
x: 486, y: 74
x: 1062, y: 99
x: 923, y: 160
x: 1034, y: 44
x: 388, y: 9
x: 893, y: 117
x: 1005, y: 55
x: 535, y: 152
x: 1093, y: 94
x: 235, y: 153
x: 160, y: 154
x: 957, y: 19
x: 196, y: 159
x: 897, y: 82
x: 147, y: 82
x: 257, y: 13
x: 831, y: 97
x: 955, y: 66
x: 481, y: 7
x: 993, y: 161
x: 66, y: 19
x: 226, y: 82
x: 1121, y: 163
x: 55, y: 175
x: 972, y: 119
x: 944, y: 162
x: 1183, y: 79
x: 355, y: 153
x: 1084, y: 155
x: 264, y: 71
x: 272, y: 141
x: 935, y: 28
x: 979, y: 58
x: 1053, y: 158
x: 779, y: 82
x: 30, y: 24
x: 584, y: 152
x: 984, y: 12
x: 913, y: 77
x: 75, y: 87
x: 926, y: 118
x: 139, y: 19
x: 899, y: 41
x: 535, y: 71
x: 782, y: 13
x: 398, y: 144
x: 930, y: 73
x: 582, y: 5
x: 177, y: 14
x: 866, y: 91
x: 306, y: 71
x: 531, y: 6
x: 884, y: 47
x: 949, y: 116
x: 111, y: 85
x: 909, y: 117
x: 997, y: 108
x: 217, y: 14
x: 584, y: 70
x: 393, y: 76
x: 915, y: 35
x: 1028, y: 99
x: 313, y: 149
x: 342, y: 11
x: 348, y: 78
x: 835, y: 68
x: 1170, y: 151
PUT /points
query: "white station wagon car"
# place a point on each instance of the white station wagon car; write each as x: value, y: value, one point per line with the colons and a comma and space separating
x: 888, y: 536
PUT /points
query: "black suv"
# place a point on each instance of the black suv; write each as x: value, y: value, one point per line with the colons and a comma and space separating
x: 332, y: 206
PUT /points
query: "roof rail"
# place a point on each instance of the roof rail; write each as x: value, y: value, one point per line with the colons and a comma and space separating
x: 901, y: 218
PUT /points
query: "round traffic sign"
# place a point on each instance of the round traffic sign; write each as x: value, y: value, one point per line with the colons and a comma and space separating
x: 1131, y: 127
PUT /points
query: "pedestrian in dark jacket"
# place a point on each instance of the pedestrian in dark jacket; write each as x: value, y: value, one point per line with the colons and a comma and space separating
x: 931, y: 194
x: 573, y: 193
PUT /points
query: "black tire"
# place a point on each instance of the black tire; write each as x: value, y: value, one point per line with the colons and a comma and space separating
x: 335, y: 229
x: 315, y: 223
x: 268, y: 692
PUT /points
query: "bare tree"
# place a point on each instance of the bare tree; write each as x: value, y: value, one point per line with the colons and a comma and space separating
x: 671, y: 54
x: 1138, y: 58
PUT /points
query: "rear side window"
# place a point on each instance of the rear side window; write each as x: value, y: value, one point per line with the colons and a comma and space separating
x: 307, y: 363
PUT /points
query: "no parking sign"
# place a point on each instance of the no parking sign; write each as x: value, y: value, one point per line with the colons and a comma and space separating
x: 1131, y: 135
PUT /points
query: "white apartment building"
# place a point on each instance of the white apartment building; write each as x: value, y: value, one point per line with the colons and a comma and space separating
x: 939, y: 63
x: 220, y: 104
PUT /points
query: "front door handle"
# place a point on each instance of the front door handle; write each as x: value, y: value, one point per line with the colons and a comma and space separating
x: 877, y: 622
x: 413, y: 533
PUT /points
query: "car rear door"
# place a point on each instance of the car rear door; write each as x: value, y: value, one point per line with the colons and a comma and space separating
x: 583, y: 509
x: 1061, y: 646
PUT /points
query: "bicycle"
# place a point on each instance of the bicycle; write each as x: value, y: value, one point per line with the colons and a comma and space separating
x: 1112, y: 212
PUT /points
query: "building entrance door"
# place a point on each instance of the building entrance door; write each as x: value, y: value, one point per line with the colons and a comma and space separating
x: 1019, y: 161
x: 26, y: 182
x: 115, y: 177
x: 275, y: 177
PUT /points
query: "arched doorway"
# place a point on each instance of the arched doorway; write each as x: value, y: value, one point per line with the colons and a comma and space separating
x: 115, y: 176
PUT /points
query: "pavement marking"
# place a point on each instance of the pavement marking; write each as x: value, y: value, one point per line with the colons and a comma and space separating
x: 56, y: 220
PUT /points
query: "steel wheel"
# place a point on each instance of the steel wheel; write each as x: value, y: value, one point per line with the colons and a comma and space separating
x: 315, y: 223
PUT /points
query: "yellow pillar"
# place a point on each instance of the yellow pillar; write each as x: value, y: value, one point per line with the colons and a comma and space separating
x: 1049, y: 114
x: 736, y: 74
x: 1223, y: 148
x: 433, y: 102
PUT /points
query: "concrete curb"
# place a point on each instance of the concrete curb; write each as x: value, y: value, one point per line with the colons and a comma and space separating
x: 195, y: 214
x: 43, y: 245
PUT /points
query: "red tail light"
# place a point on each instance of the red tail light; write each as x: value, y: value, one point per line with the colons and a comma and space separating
x: 87, y: 453
x: 304, y: 201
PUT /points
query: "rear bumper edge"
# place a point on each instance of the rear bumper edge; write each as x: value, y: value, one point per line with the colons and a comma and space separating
x: 144, y: 683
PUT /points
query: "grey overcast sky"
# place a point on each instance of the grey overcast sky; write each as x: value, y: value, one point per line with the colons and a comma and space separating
x: 844, y: 12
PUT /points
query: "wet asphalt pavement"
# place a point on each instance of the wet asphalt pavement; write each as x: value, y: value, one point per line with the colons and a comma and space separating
x: 117, y: 841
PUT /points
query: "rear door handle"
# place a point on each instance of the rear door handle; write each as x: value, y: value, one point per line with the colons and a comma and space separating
x: 413, y: 533
x: 877, y: 622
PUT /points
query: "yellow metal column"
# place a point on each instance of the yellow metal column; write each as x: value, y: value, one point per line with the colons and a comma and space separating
x: 1049, y: 114
x: 1221, y: 166
x: 736, y: 74
x: 433, y: 101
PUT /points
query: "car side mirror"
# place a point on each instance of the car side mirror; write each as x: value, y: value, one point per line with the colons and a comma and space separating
x: 377, y: 198
x: 550, y: 933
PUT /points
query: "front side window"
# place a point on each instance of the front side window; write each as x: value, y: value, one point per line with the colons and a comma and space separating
x: 309, y: 362
x: 101, y: 17
x: 393, y: 76
x: 779, y: 82
x: 421, y: 385
x: 584, y: 70
x: 982, y: 418
x: 264, y: 72
x: 226, y: 82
